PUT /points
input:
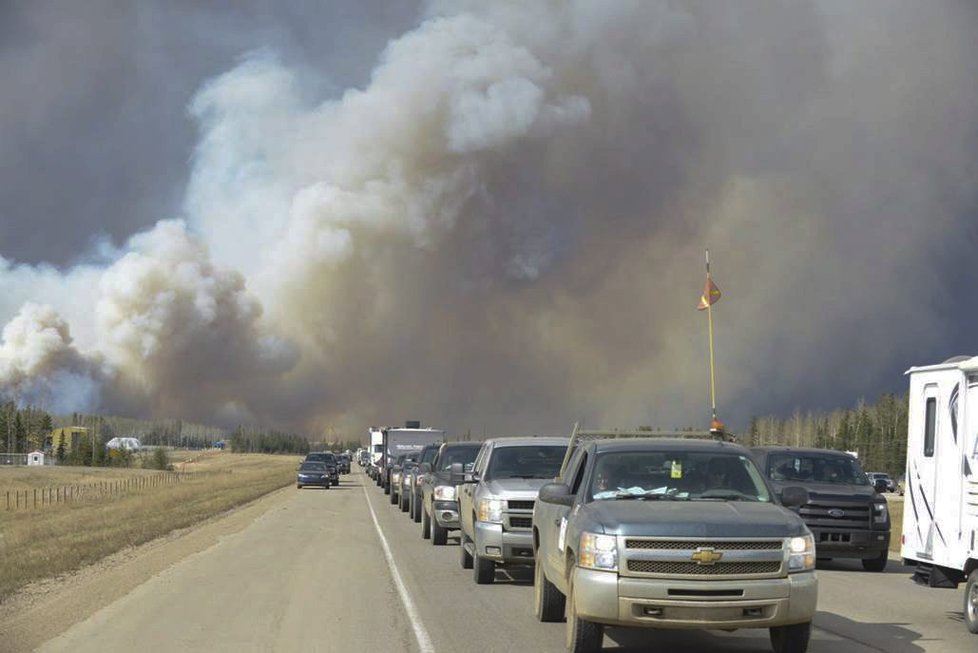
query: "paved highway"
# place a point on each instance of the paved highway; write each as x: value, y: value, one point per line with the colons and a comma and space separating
x: 310, y: 573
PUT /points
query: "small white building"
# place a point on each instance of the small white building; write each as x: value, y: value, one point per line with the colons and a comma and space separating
x: 35, y: 458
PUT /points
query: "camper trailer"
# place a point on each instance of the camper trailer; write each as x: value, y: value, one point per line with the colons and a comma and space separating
x: 940, y: 516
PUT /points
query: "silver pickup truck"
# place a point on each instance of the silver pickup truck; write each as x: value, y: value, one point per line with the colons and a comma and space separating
x: 496, y: 502
x: 671, y: 533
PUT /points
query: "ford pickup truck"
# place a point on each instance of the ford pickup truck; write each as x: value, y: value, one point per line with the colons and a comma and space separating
x: 496, y: 504
x: 845, y: 513
x: 671, y: 533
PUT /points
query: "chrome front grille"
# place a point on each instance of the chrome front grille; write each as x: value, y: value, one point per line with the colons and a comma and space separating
x: 520, y: 505
x: 718, y: 545
x: 693, y: 569
x: 714, y: 558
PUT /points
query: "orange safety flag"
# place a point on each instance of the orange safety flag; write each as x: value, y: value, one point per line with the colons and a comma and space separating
x: 711, y: 295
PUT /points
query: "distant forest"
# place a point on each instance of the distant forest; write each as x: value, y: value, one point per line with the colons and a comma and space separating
x: 876, y: 432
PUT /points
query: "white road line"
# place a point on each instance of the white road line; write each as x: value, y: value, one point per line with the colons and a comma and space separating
x: 420, y: 634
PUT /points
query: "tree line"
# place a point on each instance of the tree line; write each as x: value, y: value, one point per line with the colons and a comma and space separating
x: 877, y: 433
x: 260, y: 440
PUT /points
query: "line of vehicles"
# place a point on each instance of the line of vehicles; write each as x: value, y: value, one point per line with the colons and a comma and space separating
x: 687, y: 530
x: 322, y: 469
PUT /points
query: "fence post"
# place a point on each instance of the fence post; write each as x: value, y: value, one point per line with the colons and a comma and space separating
x: 35, y: 498
x: 8, y: 499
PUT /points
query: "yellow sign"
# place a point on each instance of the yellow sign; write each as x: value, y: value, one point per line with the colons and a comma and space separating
x: 677, y: 469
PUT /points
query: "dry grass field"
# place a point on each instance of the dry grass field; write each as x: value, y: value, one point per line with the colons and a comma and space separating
x: 59, y: 538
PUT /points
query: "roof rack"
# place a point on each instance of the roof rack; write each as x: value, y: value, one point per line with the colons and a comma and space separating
x: 580, y: 436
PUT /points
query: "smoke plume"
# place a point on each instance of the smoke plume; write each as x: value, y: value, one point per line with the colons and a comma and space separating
x: 503, y: 228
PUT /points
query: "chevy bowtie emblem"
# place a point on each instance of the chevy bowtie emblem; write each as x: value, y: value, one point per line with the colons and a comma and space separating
x: 706, y: 556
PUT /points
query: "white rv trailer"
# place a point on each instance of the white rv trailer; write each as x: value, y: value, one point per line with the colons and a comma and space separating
x: 940, y: 514
x: 376, y: 445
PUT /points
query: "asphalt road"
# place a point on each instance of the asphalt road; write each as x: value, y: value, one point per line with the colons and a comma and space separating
x: 311, y: 574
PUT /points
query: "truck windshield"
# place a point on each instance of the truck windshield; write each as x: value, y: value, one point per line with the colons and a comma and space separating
x: 817, y: 468
x: 463, y: 455
x: 676, y: 475
x: 525, y: 461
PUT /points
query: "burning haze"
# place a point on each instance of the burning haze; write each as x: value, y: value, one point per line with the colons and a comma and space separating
x: 502, y: 227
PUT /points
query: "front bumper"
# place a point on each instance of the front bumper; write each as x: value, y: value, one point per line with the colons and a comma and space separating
x: 445, y: 513
x: 604, y: 597
x: 846, y: 543
x: 504, y: 547
x: 310, y: 480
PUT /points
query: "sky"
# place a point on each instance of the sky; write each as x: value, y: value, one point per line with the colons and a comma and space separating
x: 490, y: 217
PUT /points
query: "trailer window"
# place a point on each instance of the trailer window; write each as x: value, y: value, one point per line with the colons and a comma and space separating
x: 930, y: 424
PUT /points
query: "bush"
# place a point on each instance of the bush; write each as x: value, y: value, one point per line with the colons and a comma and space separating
x: 158, y: 460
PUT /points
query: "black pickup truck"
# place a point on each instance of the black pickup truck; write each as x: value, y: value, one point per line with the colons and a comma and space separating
x: 846, y: 514
x: 439, y: 501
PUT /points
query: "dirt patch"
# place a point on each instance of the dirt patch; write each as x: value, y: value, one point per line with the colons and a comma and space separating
x: 47, y: 608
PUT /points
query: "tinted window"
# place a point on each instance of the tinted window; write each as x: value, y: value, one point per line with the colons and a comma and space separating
x: 529, y: 461
x: 817, y: 468
x: 464, y: 455
x: 313, y: 467
x: 930, y: 426
x: 677, y: 475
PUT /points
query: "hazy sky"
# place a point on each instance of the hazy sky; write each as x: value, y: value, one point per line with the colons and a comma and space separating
x: 488, y: 216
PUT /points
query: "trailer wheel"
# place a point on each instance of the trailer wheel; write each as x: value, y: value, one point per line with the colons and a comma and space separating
x: 971, y: 602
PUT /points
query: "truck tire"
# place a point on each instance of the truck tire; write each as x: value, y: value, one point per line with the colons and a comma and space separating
x: 876, y: 564
x: 548, y: 603
x: 416, y: 510
x: 402, y: 502
x: 971, y: 602
x: 387, y: 488
x: 583, y: 636
x: 464, y: 557
x: 425, y: 525
x: 298, y: 487
x: 791, y: 639
x: 483, y: 570
x: 439, y: 535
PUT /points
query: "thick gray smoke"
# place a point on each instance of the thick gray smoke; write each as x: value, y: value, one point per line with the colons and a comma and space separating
x: 504, y: 228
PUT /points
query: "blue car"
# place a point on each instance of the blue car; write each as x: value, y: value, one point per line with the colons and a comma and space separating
x: 312, y: 473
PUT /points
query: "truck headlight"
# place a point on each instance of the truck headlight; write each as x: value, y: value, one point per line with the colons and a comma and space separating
x: 445, y: 493
x: 598, y: 552
x: 395, y: 478
x: 801, y: 553
x: 881, y: 514
x: 417, y: 480
x: 491, y: 510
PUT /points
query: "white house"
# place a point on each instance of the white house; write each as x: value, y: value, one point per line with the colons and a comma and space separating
x: 35, y: 458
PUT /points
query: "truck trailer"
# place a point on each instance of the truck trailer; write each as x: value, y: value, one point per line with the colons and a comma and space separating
x: 940, y: 516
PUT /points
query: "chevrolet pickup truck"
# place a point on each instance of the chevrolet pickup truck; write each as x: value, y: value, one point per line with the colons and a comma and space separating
x: 671, y: 533
x: 439, y: 502
x: 496, y: 502
x: 845, y: 513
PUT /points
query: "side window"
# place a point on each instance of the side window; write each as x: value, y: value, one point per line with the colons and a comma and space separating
x: 579, y: 475
x: 481, y: 459
x: 930, y: 426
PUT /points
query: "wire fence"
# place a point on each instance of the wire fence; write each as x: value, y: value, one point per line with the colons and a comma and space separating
x: 43, y: 497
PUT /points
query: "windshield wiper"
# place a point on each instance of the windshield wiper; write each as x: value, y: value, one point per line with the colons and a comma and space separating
x: 725, y: 496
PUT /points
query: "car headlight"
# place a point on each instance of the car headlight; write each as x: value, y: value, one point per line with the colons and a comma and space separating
x: 881, y: 513
x: 396, y: 478
x: 445, y: 493
x: 417, y: 480
x: 801, y: 553
x: 491, y: 510
x: 598, y: 552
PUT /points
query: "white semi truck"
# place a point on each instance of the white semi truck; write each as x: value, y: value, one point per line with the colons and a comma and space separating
x: 940, y: 515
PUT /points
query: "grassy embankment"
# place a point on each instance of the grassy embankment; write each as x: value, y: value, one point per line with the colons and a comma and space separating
x: 52, y: 540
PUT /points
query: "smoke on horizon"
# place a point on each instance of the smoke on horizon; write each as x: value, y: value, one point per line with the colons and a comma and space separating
x: 504, y: 228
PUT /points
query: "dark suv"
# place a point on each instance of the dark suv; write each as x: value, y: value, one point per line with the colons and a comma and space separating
x: 848, y: 517
x: 329, y: 459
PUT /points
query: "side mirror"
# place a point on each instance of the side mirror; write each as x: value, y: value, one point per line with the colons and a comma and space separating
x: 456, y: 473
x: 794, y: 496
x: 425, y: 468
x: 556, y: 493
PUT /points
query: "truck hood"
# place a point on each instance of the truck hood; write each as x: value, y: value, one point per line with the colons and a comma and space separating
x: 510, y: 486
x: 831, y: 491
x: 719, y: 519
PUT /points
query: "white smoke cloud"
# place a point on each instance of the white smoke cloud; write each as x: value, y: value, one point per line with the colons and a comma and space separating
x: 505, y: 225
